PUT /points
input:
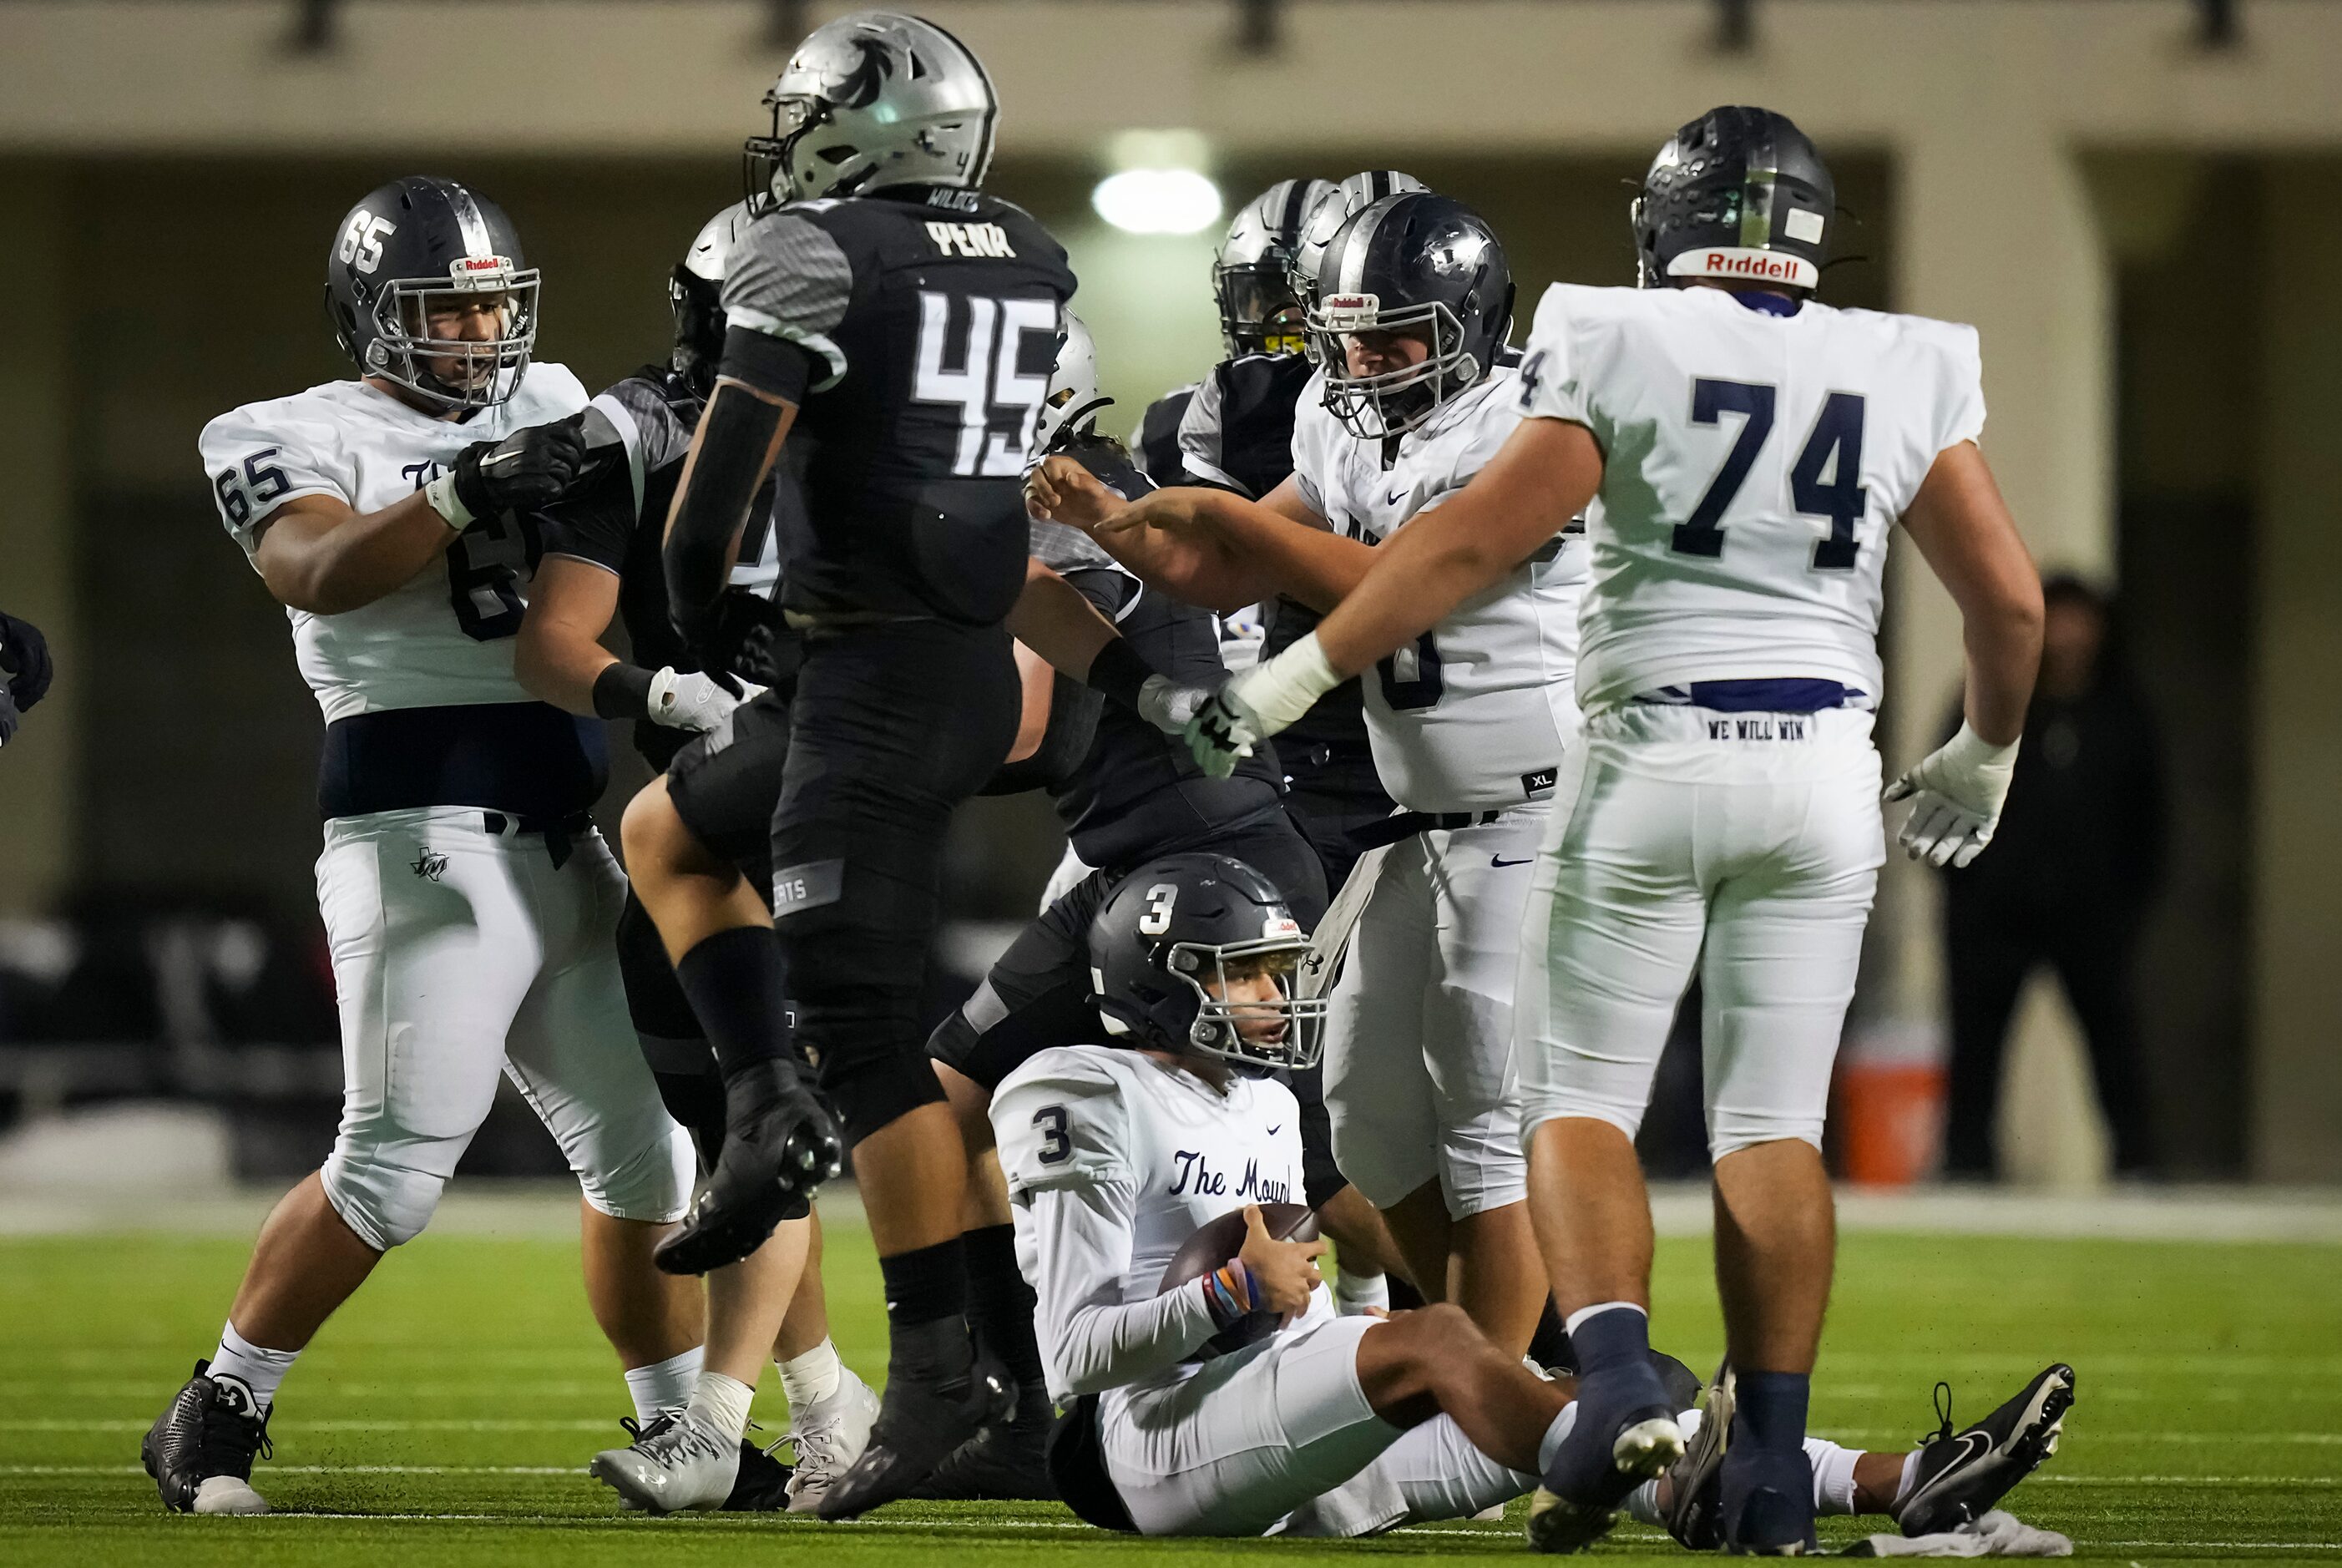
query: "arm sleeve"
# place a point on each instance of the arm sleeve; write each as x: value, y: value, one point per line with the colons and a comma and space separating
x: 255, y: 467
x: 596, y: 521
x: 792, y: 281
x: 1076, y: 1258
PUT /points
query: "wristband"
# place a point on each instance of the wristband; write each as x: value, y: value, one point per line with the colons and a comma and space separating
x: 1118, y: 671
x: 1288, y: 685
x: 623, y: 690
x: 440, y: 495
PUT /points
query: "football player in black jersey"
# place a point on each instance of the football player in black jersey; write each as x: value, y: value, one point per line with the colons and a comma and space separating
x: 601, y: 559
x: 904, y: 324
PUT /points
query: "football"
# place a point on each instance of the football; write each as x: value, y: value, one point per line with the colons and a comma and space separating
x: 1214, y: 1242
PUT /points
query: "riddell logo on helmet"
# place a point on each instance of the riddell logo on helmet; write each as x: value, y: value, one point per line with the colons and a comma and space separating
x: 1738, y: 262
x: 1722, y: 263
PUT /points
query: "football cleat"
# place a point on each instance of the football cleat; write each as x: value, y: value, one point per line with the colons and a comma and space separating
x: 1693, y: 1480
x: 675, y: 1462
x: 1963, y: 1473
x: 762, y: 1485
x: 1004, y: 1464
x: 829, y: 1435
x: 939, y: 1395
x: 201, y: 1448
x: 779, y: 1144
x: 1624, y: 1435
x: 1765, y: 1502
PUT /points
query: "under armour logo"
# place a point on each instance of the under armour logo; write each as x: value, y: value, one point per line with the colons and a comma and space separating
x: 429, y: 865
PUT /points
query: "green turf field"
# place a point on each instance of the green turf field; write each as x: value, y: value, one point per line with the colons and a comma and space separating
x: 447, y: 1415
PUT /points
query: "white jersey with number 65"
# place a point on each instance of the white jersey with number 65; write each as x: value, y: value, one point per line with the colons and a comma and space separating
x: 1754, y: 464
x: 443, y: 639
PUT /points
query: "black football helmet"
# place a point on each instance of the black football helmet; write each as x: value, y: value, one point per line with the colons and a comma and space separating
x: 1738, y: 193
x: 1252, y: 277
x: 1181, y: 926
x: 416, y: 248
x: 1414, y: 260
x: 694, y: 293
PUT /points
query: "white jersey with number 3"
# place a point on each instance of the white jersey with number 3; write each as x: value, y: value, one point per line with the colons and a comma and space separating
x: 1754, y: 464
x: 1475, y: 713
x: 444, y: 638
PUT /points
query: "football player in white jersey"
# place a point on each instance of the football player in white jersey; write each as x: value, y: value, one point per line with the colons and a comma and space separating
x: 469, y: 903
x: 1468, y: 725
x: 1236, y: 1401
x: 1746, y: 450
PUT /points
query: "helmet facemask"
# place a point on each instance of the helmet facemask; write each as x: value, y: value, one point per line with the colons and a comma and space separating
x: 769, y: 164
x: 1392, y: 402
x: 697, y: 304
x: 1219, y: 1026
x: 456, y: 372
x: 1259, y: 311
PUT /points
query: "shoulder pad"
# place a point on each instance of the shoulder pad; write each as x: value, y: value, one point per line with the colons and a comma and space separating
x: 1063, y: 1119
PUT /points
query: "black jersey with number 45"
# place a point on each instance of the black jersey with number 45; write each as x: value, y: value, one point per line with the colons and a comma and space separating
x: 931, y: 317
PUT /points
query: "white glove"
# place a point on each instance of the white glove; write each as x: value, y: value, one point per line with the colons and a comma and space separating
x: 694, y: 701
x: 1168, y: 705
x: 1955, y: 794
x: 1257, y: 703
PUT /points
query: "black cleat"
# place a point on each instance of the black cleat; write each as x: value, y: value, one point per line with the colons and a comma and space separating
x: 779, y: 1144
x: 1693, y: 1481
x: 1962, y: 1474
x: 1682, y: 1384
x: 1004, y: 1464
x: 763, y: 1483
x: 939, y: 1396
x: 1765, y: 1502
x: 200, y: 1449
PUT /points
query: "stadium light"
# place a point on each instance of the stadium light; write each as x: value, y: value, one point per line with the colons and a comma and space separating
x: 1158, y: 201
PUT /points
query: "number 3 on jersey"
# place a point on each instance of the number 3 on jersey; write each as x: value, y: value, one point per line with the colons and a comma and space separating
x: 988, y: 386
x: 1835, y: 444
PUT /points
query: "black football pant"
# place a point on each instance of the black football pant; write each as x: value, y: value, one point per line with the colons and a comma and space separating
x: 892, y: 727
x: 1990, y: 951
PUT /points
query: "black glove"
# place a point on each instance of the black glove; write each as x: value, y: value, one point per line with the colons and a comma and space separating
x: 752, y: 640
x: 25, y: 655
x: 528, y: 468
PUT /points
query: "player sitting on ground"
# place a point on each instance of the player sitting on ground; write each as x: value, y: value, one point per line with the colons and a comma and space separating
x: 1236, y: 1403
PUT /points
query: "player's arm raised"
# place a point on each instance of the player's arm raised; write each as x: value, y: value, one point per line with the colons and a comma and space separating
x: 317, y: 552
x: 1962, y: 528
x: 1544, y: 475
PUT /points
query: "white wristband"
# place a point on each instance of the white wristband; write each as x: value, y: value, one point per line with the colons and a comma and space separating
x: 1289, y: 684
x: 440, y: 495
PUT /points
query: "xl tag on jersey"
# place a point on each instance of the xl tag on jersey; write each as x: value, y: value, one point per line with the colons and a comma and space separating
x: 980, y: 240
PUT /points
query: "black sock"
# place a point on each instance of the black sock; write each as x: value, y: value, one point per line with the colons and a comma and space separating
x: 737, y: 982
x: 926, y: 1285
x: 1000, y: 1305
x: 1620, y: 1337
x: 1770, y: 1409
x: 1404, y: 1297
x: 1549, y: 1345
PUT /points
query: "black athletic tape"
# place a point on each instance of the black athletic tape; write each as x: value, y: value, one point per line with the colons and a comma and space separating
x: 622, y: 690
x: 734, y: 436
x: 773, y: 366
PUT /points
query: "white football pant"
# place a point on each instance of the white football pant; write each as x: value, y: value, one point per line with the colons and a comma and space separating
x: 1748, y: 845
x: 459, y: 953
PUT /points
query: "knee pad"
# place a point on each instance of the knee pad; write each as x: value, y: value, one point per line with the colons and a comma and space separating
x: 384, y: 1204
x: 1730, y: 1131
x: 653, y: 1184
x: 871, y: 1084
x: 1482, y: 1164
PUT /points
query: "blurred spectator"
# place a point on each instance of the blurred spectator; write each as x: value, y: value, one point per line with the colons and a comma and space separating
x: 2066, y: 882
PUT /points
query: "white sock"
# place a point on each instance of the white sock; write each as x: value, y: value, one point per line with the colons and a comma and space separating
x: 1354, y: 1294
x: 1910, y: 1477
x: 257, y: 1367
x: 810, y: 1378
x: 722, y: 1403
x: 1833, y: 1476
x: 1570, y: 1324
x: 1550, y: 1443
x: 664, y: 1385
x: 1643, y: 1504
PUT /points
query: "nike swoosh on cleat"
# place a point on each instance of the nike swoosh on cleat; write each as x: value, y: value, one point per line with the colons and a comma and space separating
x: 1501, y: 860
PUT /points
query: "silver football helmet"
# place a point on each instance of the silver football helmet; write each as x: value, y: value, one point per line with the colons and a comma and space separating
x: 694, y: 294
x: 1074, y: 400
x: 873, y: 99
x: 1352, y: 196
x: 1252, y: 275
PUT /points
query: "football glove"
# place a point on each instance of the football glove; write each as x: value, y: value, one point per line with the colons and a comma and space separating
x: 1250, y: 707
x: 1956, y: 793
x: 1168, y: 705
x: 691, y: 701
x: 24, y: 653
x: 528, y: 468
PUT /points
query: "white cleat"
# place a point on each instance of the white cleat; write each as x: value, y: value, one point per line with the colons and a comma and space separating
x: 679, y: 1462
x: 830, y: 1435
x: 228, y: 1494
